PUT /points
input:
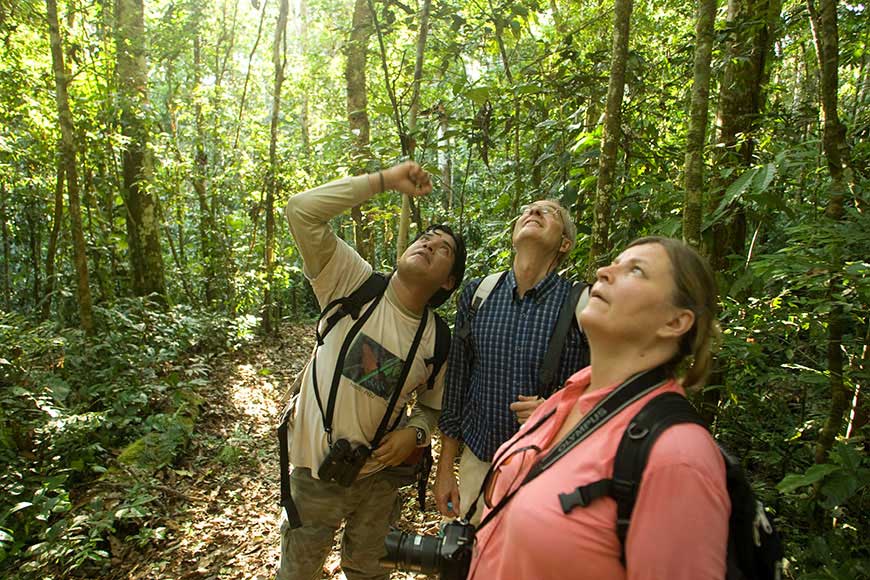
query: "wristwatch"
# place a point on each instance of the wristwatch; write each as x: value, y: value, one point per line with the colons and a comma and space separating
x: 421, y: 436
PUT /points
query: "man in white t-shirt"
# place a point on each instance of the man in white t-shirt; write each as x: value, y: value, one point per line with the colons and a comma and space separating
x: 372, y: 363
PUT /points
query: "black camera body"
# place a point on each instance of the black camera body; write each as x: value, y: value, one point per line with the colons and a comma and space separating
x: 448, y: 555
x: 343, y: 463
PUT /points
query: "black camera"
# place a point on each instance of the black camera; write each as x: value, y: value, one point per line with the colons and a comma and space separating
x: 343, y: 463
x: 448, y: 555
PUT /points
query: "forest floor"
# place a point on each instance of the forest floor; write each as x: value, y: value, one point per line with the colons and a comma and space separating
x: 220, y: 507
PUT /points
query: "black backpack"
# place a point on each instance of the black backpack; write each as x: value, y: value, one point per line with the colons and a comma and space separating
x: 754, y: 546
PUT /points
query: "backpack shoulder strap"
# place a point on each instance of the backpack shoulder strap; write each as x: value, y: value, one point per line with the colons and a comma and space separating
x: 442, y: 348
x: 567, y: 314
x: 374, y: 286
x: 663, y: 411
x: 481, y: 293
x: 637, y: 440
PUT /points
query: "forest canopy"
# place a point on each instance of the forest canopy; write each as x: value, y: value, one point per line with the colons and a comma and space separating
x: 148, y: 147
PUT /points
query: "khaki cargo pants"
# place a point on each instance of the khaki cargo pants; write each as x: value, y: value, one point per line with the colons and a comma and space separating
x: 369, y: 507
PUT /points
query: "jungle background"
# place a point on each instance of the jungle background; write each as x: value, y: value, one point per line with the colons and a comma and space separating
x: 152, y: 303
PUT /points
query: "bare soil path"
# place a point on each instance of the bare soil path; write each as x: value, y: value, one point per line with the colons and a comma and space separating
x: 220, y: 503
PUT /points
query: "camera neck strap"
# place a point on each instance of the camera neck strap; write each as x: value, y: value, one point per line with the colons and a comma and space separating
x: 339, y: 364
x: 621, y: 397
x: 406, y: 368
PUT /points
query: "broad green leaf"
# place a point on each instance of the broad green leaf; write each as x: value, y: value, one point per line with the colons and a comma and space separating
x: 733, y: 193
x: 20, y: 506
x: 814, y: 474
x: 838, y: 488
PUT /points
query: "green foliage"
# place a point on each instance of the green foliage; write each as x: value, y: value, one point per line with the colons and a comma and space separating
x: 838, y: 488
x: 68, y: 405
x: 513, y: 95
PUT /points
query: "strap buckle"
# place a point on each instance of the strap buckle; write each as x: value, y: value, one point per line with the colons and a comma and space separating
x: 578, y: 497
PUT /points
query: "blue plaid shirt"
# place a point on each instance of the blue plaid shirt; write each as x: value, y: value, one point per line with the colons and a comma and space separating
x: 500, y: 360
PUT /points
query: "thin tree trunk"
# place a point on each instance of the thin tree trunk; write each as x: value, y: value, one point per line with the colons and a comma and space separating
x: 697, y: 135
x: 826, y: 37
x: 7, y: 250
x: 143, y: 231
x: 200, y: 169
x: 357, y: 112
x: 304, y: 113
x: 56, y: 224
x: 863, y: 89
x: 600, y: 243
x: 445, y: 157
x: 499, y: 28
x: 278, y: 59
x: 248, y: 75
x: 422, y: 34
x: 34, y: 223
x: 221, y: 65
x: 68, y: 154
x: 860, y: 413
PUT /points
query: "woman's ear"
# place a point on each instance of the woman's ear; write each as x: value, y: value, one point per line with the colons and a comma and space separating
x: 679, y: 324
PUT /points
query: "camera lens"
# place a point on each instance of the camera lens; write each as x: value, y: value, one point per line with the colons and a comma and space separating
x: 414, y: 552
x: 341, y: 449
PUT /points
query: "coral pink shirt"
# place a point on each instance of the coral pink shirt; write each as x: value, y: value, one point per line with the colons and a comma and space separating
x: 679, y: 528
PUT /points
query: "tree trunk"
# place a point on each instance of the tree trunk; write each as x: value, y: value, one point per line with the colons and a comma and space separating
x: 143, y: 229
x: 68, y: 154
x: 826, y: 37
x: 423, y: 32
x: 56, y: 224
x: 600, y: 243
x: 7, y: 250
x: 357, y: 113
x: 697, y: 135
x: 34, y: 227
x: 445, y: 158
x: 248, y: 74
x: 278, y: 60
x: 200, y: 169
x: 304, y: 113
x: 753, y: 25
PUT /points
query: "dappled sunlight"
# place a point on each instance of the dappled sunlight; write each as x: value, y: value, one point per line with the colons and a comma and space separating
x: 250, y: 391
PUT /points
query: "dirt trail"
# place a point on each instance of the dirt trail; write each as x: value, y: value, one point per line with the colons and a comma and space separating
x: 221, y: 505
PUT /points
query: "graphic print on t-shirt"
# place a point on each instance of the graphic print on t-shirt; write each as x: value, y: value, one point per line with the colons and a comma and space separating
x: 372, y: 367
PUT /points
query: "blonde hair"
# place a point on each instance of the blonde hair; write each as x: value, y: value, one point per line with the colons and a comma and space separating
x: 695, y: 290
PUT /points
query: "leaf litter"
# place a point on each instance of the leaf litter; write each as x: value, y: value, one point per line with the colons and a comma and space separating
x: 219, y: 512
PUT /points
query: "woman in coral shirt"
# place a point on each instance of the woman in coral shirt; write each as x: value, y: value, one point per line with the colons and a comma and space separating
x: 651, y: 311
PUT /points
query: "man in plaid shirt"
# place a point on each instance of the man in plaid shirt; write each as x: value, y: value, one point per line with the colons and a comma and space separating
x: 492, y: 386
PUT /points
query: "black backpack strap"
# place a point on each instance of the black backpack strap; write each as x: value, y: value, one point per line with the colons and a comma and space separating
x: 442, y: 349
x: 548, y: 373
x: 641, y: 434
x: 284, y: 462
x: 352, y: 304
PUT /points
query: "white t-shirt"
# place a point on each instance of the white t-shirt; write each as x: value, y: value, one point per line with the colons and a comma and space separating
x: 372, y: 365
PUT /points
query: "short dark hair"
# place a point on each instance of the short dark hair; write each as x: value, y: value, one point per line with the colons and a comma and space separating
x: 458, y: 269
